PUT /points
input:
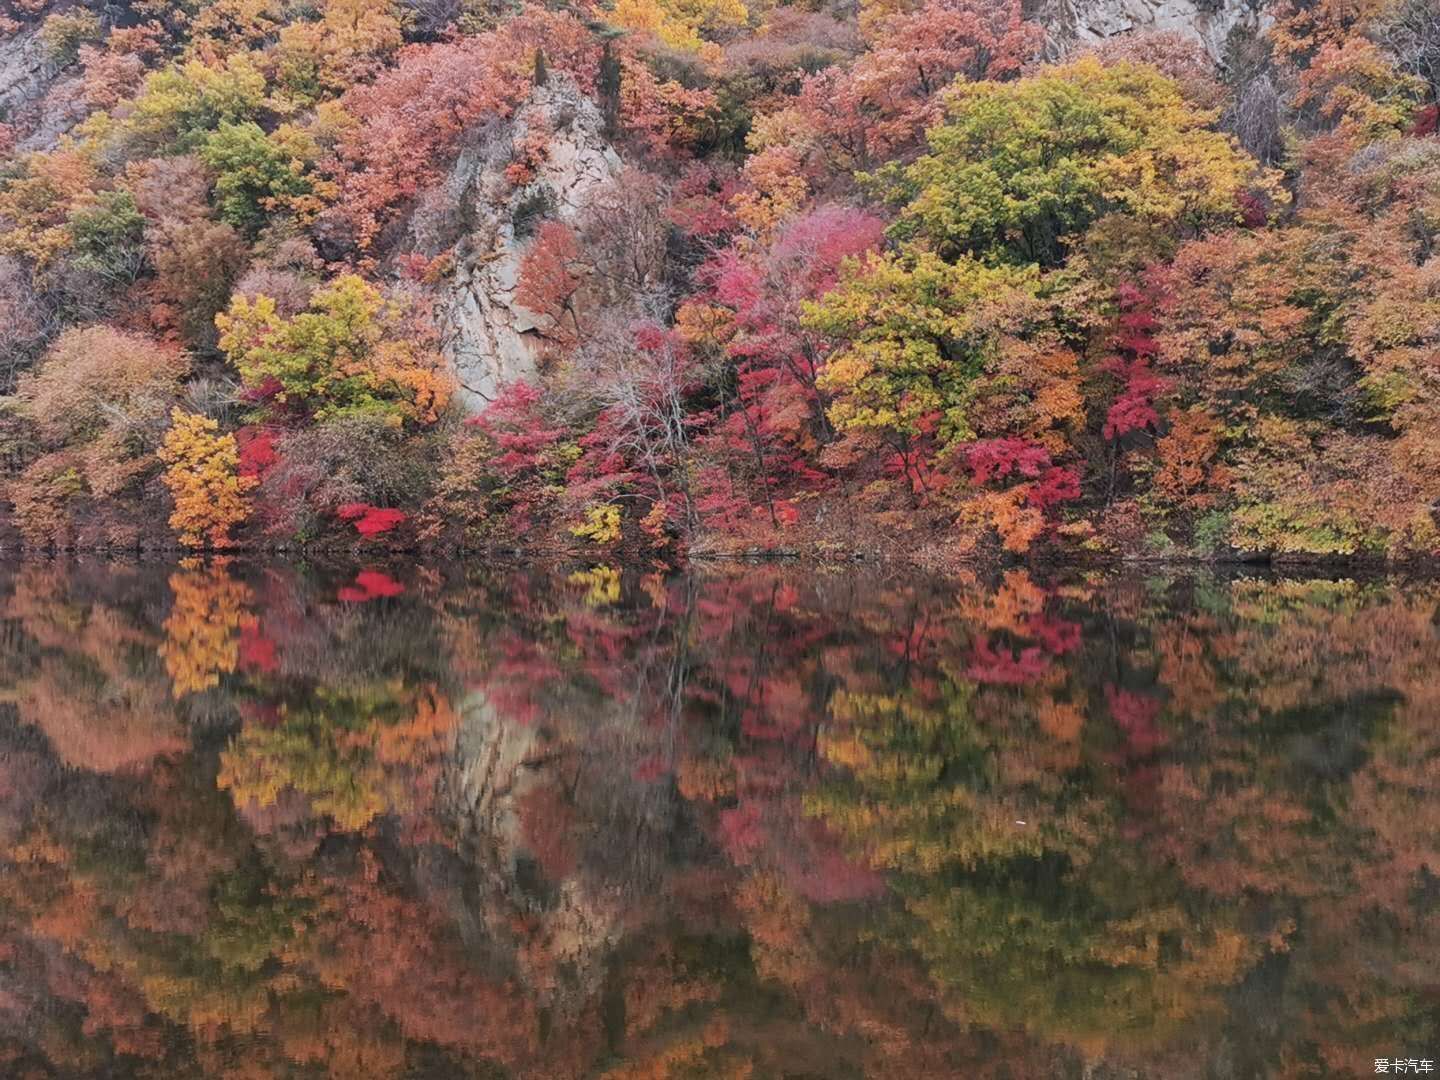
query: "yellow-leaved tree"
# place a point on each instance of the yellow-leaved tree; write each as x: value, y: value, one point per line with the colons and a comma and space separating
x: 1020, y: 170
x: 356, y: 351
x: 681, y: 24
x: 202, y: 473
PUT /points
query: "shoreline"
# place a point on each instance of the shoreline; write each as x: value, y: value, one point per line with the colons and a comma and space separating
x: 795, y: 557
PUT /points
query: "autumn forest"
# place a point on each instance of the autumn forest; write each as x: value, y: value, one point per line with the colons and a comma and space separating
x: 652, y: 278
x: 719, y: 539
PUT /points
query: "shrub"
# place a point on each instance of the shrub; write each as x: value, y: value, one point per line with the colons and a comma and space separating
x: 63, y: 34
x: 346, y: 461
x: 601, y: 525
x: 101, y: 381
x: 107, y: 236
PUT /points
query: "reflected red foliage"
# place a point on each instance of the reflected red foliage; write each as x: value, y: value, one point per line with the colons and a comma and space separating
x: 370, y: 585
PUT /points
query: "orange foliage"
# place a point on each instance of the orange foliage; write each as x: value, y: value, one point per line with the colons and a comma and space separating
x: 1187, y: 475
x: 203, y: 477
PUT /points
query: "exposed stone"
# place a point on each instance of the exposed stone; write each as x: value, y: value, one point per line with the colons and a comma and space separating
x: 490, y: 338
x: 39, y: 100
x: 23, y: 70
x: 1087, y: 22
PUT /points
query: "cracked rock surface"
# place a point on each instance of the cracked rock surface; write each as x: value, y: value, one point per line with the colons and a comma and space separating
x: 489, y: 336
x: 1087, y: 22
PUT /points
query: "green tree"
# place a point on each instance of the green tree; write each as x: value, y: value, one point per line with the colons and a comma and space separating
x: 179, y: 106
x: 63, y: 34
x: 1019, y: 167
x: 254, y: 171
x: 107, y: 234
x: 352, y: 353
x: 918, y: 332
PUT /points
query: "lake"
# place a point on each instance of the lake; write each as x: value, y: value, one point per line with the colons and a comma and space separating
x: 429, y: 821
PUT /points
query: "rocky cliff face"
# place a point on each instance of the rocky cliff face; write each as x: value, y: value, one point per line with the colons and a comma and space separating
x: 489, y: 336
x: 24, y: 76
x: 1086, y: 22
x: 39, y: 100
x: 23, y: 71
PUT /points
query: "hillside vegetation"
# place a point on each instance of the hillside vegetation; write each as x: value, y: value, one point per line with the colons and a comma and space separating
x: 913, y: 278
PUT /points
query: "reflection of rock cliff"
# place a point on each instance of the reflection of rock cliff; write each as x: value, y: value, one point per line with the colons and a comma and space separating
x: 565, y: 840
x: 1086, y: 22
x: 557, y: 137
x: 497, y: 765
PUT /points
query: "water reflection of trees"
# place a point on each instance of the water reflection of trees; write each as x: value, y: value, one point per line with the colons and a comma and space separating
x: 748, y: 824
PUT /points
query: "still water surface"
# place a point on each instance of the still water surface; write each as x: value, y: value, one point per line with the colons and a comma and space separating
x: 428, y: 822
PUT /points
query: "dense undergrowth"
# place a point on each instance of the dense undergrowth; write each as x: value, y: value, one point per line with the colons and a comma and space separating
x: 902, y: 278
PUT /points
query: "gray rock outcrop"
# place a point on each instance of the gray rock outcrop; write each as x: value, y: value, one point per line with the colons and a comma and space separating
x: 39, y: 99
x: 489, y: 336
x: 24, y: 71
x: 1087, y: 22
